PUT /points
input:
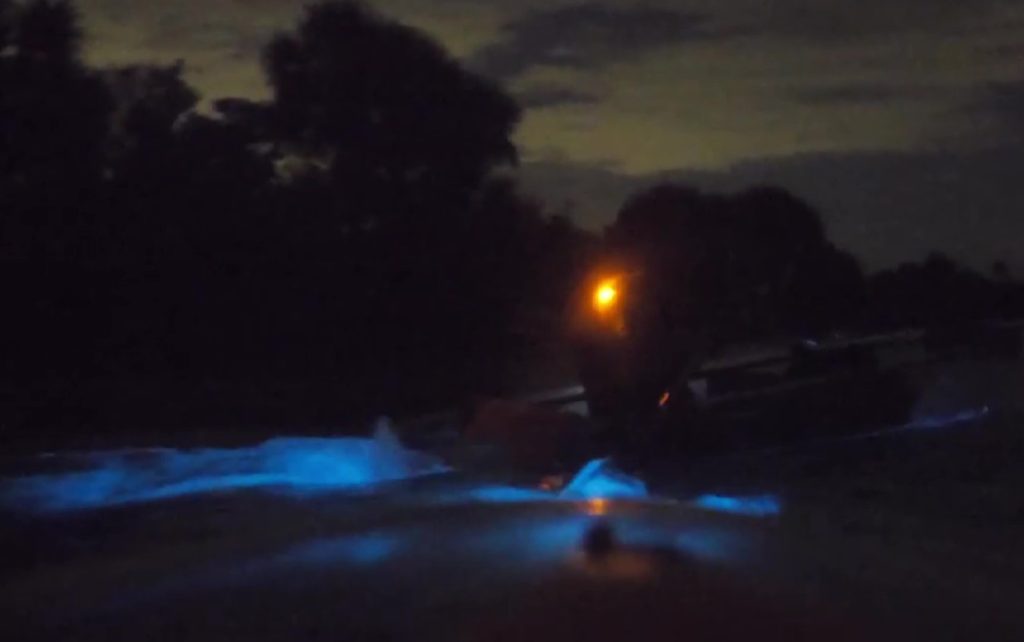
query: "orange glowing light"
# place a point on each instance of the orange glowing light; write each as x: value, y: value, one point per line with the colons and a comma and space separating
x: 606, y: 295
x: 663, y: 401
x: 552, y: 482
x: 597, y: 506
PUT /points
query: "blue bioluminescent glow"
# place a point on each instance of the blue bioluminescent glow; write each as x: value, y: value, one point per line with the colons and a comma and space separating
x: 754, y: 506
x: 528, y: 539
x: 599, y: 479
x: 551, y: 538
x: 503, y: 494
x: 292, y: 464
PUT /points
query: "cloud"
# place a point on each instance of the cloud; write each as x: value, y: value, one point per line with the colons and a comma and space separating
x: 837, y: 21
x: 885, y: 207
x: 864, y: 93
x: 221, y: 40
x: 1004, y: 103
x: 1002, y: 51
x: 545, y: 96
x: 584, y: 36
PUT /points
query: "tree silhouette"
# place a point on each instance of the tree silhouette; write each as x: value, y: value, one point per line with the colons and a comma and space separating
x: 52, y: 111
x: 47, y: 32
x: 186, y: 224
x: 934, y: 293
x: 396, y: 123
x: 148, y: 101
x: 6, y: 24
x: 728, y: 268
x: 53, y: 117
x: 387, y: 145
x: 347, y: 239
x: 705, y: 271
x: 803, y: 284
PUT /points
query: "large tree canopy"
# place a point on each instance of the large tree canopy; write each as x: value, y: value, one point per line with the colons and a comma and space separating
x: 730, y: 267
x: 396, y: 122
x: 53, y: 111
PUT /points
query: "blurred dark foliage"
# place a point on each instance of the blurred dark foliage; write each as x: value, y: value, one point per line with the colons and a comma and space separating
x: 349, y: 239
x: 734, y: 268
x: 758, y: 265
x: 938, y: 292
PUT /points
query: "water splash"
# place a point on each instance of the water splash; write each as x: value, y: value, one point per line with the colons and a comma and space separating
x: 600, y: 479
x: 290, y: 464
x: 597, y: 479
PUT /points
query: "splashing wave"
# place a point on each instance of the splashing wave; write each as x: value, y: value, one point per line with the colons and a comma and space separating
x: 294, y: 464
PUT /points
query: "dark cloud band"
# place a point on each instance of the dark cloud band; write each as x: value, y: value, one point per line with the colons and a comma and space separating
x: 585, y: 36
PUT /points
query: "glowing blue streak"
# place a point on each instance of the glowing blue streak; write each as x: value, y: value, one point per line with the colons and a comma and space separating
x: 294, y: 465
x: 503, y: 495
x: 599, y: 479
x: 754, y: 506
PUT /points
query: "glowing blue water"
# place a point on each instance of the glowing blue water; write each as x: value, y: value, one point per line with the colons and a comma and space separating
x: 518, y: 542
x: 598, y: 478
x: 293, y: 465
x: 493, y: 494
x: 527, y: 539
x: 754, y: 506
x: 511, y: 544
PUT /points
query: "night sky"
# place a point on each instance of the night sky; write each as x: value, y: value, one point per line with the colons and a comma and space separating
x: 902, y: 120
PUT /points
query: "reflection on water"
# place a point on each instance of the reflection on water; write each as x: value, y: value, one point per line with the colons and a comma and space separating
x: 531, y: 541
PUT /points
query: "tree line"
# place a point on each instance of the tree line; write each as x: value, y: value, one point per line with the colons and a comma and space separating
x: 759, y: 264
